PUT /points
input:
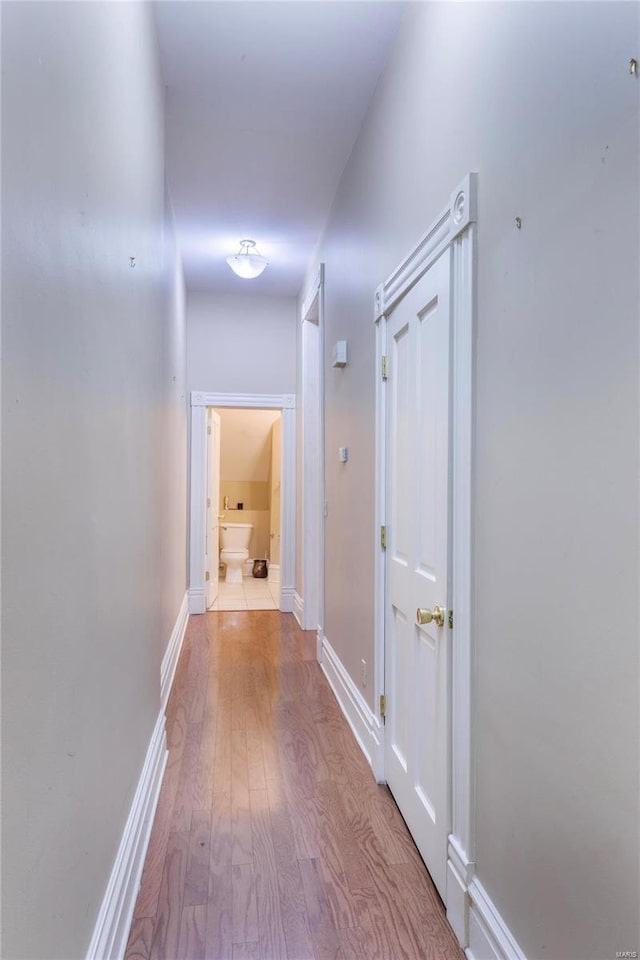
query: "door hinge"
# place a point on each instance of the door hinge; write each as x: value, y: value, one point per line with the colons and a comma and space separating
x: 208, y: 502
x: 209, y: 431
x: 450, y: 619
x: 383, y: 537
x: 385, y: 368
x: 207, y: 575
x: 383, y: 705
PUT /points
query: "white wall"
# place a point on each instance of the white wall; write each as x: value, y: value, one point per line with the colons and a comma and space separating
x: 538, y: 99
x: 94, y: 453
x: 171, y: 435
x: 241, y: 343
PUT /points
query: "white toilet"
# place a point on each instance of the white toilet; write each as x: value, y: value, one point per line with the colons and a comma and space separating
x: 235, y: 539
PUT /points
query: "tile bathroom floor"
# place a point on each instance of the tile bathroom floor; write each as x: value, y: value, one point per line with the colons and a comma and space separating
x: 251, y: 594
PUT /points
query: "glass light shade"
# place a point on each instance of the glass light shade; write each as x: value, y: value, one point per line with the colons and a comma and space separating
x: 247, y: 264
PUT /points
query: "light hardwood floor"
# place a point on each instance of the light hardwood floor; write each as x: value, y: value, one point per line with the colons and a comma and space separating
x: 272, y: 840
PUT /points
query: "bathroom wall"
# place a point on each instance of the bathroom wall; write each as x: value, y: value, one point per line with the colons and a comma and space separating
x: 245, y: 471
x: 538, y: 99
x: 253, y: 494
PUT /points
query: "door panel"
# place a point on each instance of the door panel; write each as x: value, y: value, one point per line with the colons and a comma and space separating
x: 213, y: 504
x: 276, y: 490
x: 400, y: 687
x: 417, y: 656
x: 425, y: 699
x: 403, y: 413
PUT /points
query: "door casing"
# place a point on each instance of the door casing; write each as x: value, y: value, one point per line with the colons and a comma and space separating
x: 197, y: 484
x: 212, y: 544
x: 456, y: 228
x: 312, y: 456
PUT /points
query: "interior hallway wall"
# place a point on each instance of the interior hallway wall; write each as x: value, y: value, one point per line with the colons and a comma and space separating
x: 538, y: 99
x: 241, y: 343
x: 171, y: 433
x: 93, y: 420
x: 299, y: 573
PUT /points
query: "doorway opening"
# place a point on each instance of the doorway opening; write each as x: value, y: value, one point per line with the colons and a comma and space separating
x: 205, y: 408
x: 243, y: 508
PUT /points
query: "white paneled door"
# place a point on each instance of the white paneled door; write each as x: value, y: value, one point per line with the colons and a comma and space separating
x: 276, y: 492
x: 212, y: 542
x: 417, y: 654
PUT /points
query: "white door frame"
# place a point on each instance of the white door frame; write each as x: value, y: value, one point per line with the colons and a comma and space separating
x: 455, y: 227
x: 212, y: 550
x: 311, y: 604
x: 197, y: 494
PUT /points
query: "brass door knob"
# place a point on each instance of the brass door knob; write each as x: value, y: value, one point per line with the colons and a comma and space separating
x: 426, y: 615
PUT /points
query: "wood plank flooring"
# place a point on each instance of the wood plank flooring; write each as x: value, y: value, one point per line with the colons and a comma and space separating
x: 272, y: 840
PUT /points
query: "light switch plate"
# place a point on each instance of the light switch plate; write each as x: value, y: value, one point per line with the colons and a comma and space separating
x: 340, y: 353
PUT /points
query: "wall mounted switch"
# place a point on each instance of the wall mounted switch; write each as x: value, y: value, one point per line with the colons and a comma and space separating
x: 340, y: 353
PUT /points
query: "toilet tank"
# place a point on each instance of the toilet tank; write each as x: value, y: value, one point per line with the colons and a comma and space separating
x: 235, y: 536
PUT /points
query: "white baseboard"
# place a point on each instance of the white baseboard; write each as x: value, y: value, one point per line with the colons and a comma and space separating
x: 287, y: 595
x: 319, y: 645
x: 365, y: 725
x: 197, y: 600
x: 489, y: 936
x: 460, y: 871
x: 457, y: 905
x: 298, y: 609
x: 111, y: 932
x: 172, y: 653
x: 273, y: 574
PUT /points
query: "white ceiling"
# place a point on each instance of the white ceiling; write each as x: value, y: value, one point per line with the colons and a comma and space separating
x: 264, y: 103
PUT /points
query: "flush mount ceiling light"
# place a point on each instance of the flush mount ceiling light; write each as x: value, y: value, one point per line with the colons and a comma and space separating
x: 247, y: 263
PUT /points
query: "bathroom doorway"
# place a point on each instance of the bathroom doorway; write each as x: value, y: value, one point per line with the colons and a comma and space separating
x: 245, y: 499
x: 286, y: 404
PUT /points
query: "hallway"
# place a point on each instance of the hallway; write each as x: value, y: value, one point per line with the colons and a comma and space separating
x: 271, y: 839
